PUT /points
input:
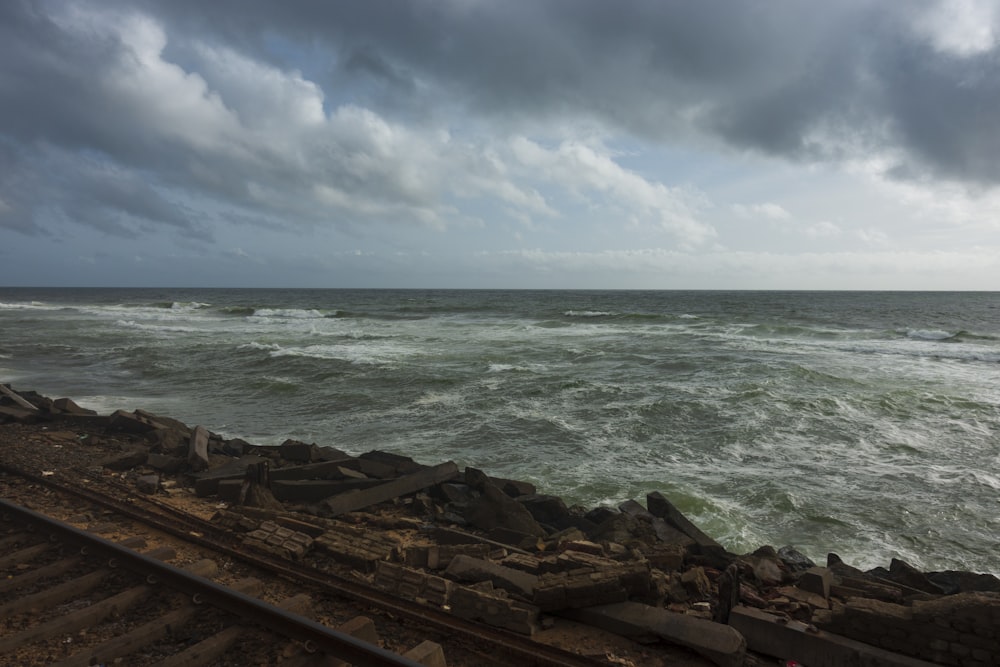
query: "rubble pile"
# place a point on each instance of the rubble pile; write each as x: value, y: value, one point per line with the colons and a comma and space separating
x: 500, y: 552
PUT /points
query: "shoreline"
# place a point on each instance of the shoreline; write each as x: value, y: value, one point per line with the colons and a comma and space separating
x: 646, y: 554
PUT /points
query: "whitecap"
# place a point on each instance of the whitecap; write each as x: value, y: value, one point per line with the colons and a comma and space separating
x: 254, y: 345
x: 34, y: 305
x: 928, y: 334
x: 288, y: 313
x: 588, y: 313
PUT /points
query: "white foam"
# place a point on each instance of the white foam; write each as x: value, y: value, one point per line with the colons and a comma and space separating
x: 289, y: 313
x: 588, y: 313
x: 34, y: 305
x: 929, y: 334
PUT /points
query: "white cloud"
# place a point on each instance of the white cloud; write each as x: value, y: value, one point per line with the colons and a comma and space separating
x: 823, y: 229
x: 586, y: 170
x: 766, y: 210
x: 960, y: 27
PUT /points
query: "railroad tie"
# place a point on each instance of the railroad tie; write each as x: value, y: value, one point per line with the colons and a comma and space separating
x: 56, y: 569
x: 146, y: 634
x: 211, y: 648
x: 94, y: 613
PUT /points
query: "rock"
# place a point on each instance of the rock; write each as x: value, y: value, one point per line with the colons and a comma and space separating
x: 128, y: 460
x: 546, y: 509
x: 70, y: 407
x: 951, y: 582
x: 496, y: 509
x: 903, y: 573
x: 512, y: 487
x: 149, y: 484
x: 127, y: 422
x: 299, y: 452
x: 767, y: 570
x: 696, y: 584
x: 599, y: 515
x: 165, y: 463
x: 661, y: 507
x: 794, y: 560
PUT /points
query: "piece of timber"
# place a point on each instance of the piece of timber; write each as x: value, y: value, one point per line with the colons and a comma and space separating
x: 400, y: 486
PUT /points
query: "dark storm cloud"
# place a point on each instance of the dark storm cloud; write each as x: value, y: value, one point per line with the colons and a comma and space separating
x: 793, y: 79
x: 798, y: 80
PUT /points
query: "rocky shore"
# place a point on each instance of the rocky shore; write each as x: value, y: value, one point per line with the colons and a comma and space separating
x: 502, y: 552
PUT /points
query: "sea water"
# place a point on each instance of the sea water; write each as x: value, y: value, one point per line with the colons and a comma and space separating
x: 862, y: 423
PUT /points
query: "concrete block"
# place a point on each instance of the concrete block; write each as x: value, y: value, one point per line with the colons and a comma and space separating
x: 816, y: 580
x: 468, y: 569
x: 781, y: 638
x: 721, y: 644
x: 198, y: 449
x: 427, y: 653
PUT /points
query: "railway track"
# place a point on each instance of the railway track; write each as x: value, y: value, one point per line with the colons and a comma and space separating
x: 145, y: 600
x: 70, y: 597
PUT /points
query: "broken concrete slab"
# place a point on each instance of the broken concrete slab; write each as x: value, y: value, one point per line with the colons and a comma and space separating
x: 496, y: 509
x: 322, y: 470
x: 165, y: 463
x: 659, y: 506
x: 473, y: 570
x: 69, y: 406
x: 777, y: 636
x: 14, y: 413
x: 300, y: 452
x: 128, y: 422
x: 546, y: 509
x: 198, y: 449
x: 17, y: 398
x: 315, y: 490
x: 207, y: 483
x: 721, y: 644
x: 402, y: 465
x: 816, y: 580
x: 128, y: 460
x: 416, y: 481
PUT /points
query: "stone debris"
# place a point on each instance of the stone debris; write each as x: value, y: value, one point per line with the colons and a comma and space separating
x: 500, y: 552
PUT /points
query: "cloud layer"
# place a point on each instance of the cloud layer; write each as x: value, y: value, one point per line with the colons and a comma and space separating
x: 492, y: 127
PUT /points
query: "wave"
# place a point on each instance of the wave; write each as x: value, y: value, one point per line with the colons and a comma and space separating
x: 180, y: 305
x: 254, y: 345
x: 589, y: 313
x: 929, y: 334
x: 293, y: 313
x: 239, y: 311
x: 132, y: 324
x: 33, y: 305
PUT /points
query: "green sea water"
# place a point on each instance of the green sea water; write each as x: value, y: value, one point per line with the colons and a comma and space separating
x: 860, y: 423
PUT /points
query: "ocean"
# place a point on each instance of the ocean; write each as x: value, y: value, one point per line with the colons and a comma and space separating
x: 860, y: 423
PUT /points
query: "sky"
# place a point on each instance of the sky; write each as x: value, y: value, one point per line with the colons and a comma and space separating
x: 660, y: 144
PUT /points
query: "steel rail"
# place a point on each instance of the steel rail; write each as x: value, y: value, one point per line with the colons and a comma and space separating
x: 317, y: 637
